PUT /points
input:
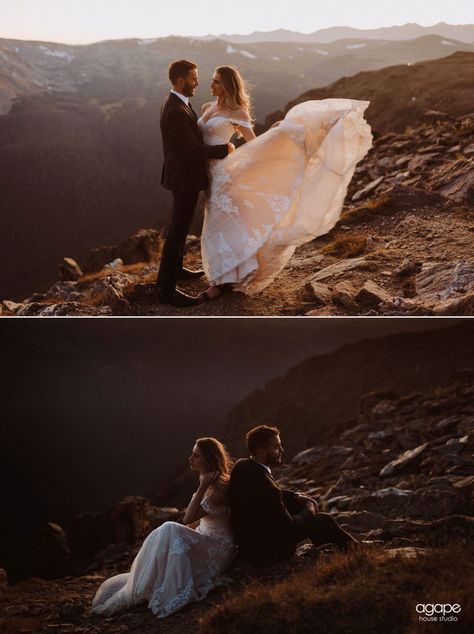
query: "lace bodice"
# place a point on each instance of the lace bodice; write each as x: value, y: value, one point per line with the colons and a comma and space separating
x: 219, y: 129
x: 216, y: 522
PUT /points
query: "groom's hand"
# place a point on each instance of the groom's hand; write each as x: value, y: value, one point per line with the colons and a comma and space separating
x: 230, y: 148
x: 311, y: 506
x: 304, y: 499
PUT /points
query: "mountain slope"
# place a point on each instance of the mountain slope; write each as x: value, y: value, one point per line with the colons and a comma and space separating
x: 320, y: 395
x: 401, y: 95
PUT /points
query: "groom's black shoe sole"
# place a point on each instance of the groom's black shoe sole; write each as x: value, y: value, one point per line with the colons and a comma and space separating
x: 177, y: 298
x: 187, y: 274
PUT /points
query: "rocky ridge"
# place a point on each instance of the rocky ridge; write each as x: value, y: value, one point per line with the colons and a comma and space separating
x: 402, y: 247
x: 400, y: 475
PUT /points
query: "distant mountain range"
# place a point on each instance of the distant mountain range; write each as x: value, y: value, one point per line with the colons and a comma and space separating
x: 409, y: 31
x: 108, y: 72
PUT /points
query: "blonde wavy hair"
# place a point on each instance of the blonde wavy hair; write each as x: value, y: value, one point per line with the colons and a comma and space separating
x: 216, y: 458
x: 235, y: 89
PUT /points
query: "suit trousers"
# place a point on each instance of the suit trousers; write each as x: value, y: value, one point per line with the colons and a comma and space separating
x: 322, y: 528
x: 184, y: 204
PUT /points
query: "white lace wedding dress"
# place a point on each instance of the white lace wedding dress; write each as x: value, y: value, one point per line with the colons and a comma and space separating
x: 175, y: 566
x: 280, y: 190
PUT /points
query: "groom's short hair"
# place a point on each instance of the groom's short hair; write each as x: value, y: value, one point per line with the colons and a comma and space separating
x: 258, y: 437
x: 179, y: 69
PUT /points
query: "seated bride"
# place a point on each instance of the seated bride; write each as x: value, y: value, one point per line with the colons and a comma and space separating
x: 178, y: 564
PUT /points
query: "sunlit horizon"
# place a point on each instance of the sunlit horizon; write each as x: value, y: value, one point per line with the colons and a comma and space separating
x: 87, y: 21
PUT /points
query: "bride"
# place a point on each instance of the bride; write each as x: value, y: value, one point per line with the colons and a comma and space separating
x: 282, y: 189
x: 179, y: 564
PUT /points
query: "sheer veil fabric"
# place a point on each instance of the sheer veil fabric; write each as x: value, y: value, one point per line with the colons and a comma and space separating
x: 280, y: 190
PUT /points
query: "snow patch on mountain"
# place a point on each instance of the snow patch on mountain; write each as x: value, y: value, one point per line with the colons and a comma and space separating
x: 57, y: 53
x: 230, y: 49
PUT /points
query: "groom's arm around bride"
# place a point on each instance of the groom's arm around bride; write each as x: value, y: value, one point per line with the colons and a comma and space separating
x: 184, y: 172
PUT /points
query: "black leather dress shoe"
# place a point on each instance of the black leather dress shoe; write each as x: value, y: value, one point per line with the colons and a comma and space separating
x: 187, y: 274
x: 177, y: 298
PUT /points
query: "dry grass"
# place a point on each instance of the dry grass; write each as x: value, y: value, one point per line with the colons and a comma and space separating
x: 132, y: 269
x: 346, y: 246
x: 383, y: 206
x: 366, y: 592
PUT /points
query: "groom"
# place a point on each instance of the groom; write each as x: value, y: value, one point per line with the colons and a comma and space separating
x: 185, y: 174
x: 268, y: 522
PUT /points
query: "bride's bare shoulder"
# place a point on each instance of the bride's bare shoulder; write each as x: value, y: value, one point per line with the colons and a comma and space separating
x: 218, y: 497
x: 240, y: 113
x: 207, y: 105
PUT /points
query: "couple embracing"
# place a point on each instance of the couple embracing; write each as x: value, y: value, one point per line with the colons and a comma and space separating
x: 235, y: 510
x: 263, y: 199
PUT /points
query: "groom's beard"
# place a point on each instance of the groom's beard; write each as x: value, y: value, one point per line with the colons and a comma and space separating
x: 188, y: 90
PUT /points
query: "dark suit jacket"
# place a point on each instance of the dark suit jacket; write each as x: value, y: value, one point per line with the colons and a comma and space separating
x: 264, y: 518
x: 184, y: 153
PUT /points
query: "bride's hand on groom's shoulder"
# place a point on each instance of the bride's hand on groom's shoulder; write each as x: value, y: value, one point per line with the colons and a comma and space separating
x: 208, y: 479
x: 230, y: 148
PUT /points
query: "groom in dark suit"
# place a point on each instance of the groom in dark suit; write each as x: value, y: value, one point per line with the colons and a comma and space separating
x: 268, y: 522
x: 185, y: 174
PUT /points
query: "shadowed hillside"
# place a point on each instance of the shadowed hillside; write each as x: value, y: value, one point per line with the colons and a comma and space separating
x: 320, y: 395
x: 400, y: 95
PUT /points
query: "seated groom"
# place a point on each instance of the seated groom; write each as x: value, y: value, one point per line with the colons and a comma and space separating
x: 268, y: 522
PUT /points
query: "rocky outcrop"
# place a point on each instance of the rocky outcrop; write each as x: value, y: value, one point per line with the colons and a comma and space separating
x: 403, y: 471
x: 143, y: 246
x: 127, y: 522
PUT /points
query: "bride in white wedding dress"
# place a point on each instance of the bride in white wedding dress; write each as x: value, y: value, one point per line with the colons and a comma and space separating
x: 179, y: 564
x: 282, y: 189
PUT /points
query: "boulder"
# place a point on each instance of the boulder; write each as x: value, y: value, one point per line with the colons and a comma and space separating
x: 408, y: 552
x: 131, y: 519
x: 370, y: 400
x: 54, y: 554
x: 11, y: 308
x: 367, y: 189
x: 465, y: 486
x: 455, y: 180
x: 334, y: 270
x: 141, y: 247
x: 3, y: 580
x: 309, y: 456
x: 406, y: 462
x: 438, y: 282
x: 320, y: 292
x: 64, y: 309
x: 372, y: 295
x: 343, y: 294
x: 69, y: 269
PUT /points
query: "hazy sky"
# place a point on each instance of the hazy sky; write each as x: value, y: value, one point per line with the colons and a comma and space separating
x: 84, y: 21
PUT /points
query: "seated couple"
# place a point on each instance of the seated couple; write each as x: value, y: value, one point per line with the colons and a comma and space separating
x: 240, y: 510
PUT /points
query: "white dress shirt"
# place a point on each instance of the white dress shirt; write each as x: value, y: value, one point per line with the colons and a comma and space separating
x: 263, y: 465
x: 182, y: 97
